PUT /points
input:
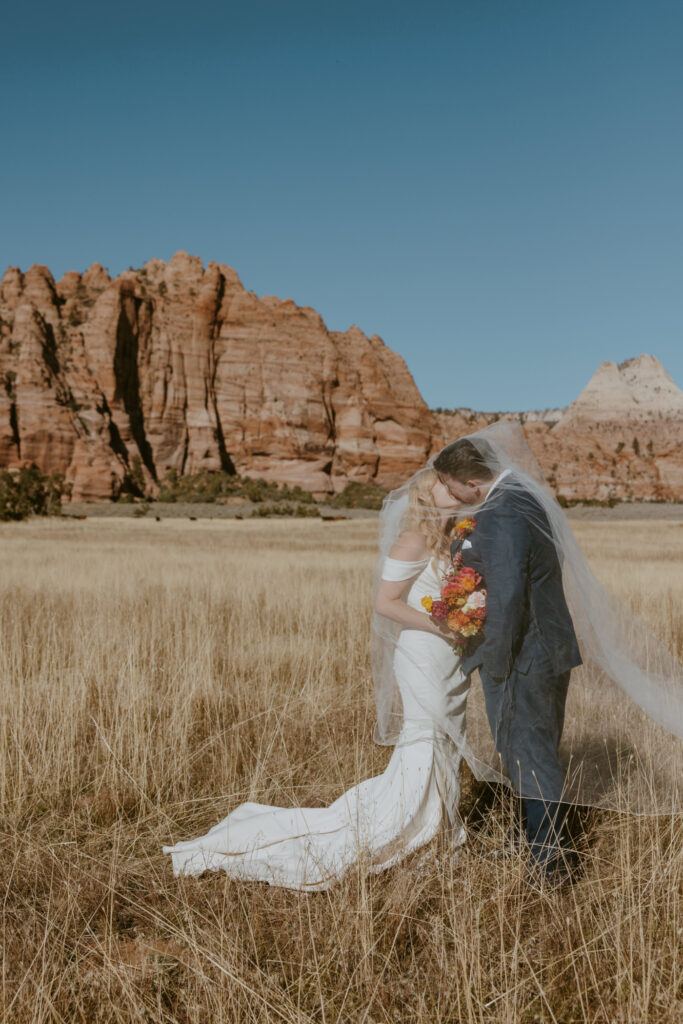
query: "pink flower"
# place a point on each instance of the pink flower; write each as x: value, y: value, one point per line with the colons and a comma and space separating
x: 477, y: 599
x: 439, y: 610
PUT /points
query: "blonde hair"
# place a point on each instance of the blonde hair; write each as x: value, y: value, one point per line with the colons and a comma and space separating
x: 436, y: 529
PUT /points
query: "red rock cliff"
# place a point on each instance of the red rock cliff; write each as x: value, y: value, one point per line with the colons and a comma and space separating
x: 182, y: 366
x: 179, y: 365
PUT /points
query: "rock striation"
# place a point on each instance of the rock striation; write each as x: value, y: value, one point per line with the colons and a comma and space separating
x: 177, y: 366
x: 621, y: 438
x: 114, y: 382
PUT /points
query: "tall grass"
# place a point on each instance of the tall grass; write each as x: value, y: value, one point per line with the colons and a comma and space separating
x: 154, y: 675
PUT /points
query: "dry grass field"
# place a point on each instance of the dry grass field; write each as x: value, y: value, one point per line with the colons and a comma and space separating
x: 154, y: 675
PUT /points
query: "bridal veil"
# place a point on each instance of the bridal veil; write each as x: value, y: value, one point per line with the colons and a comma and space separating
x: 623, y: 735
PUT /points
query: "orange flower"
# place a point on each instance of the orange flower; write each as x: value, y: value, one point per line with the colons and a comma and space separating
x: 471, y: 629
x: 467, y: 579
x: 456, y: 621
x: 465, y: 525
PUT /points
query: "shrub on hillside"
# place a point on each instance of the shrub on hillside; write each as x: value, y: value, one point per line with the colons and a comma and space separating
x: 359, y: 495
x: 565, y: 502
x: 29, y: 492
x: 211, y: 486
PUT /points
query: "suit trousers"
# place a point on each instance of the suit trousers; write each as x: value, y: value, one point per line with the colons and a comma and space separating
x: 526, y: 715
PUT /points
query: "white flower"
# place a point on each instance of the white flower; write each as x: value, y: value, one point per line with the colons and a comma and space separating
x: 477, y: 599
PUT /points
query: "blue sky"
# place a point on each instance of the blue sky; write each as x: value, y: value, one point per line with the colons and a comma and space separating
x: 493, y: 187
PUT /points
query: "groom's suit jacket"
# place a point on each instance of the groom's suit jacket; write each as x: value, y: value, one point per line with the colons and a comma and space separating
x: 527, y: 619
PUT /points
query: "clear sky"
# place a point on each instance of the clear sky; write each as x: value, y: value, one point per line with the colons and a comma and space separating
x: 493, y: 186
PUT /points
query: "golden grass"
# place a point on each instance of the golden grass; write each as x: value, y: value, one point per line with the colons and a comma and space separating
x: 154, y: 675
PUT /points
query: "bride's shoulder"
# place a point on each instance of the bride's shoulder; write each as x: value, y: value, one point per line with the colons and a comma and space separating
x: 411, y: 546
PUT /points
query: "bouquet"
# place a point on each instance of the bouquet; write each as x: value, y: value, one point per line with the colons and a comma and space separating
x: 462, y: 602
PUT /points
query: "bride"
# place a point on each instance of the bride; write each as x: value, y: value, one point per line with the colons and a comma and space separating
x: 383, y: 818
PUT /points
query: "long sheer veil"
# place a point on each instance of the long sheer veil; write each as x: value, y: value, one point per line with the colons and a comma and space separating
x: 623, y: 736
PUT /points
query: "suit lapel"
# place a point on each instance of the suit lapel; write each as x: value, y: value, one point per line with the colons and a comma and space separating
x: 456, y: 545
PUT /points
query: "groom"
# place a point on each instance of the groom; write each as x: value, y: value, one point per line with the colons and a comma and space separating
x: 528, y: 647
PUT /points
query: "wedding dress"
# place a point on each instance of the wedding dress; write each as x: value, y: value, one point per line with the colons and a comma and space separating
x: 381, y: 819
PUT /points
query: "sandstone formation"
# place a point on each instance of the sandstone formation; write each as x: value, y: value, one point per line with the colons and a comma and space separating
x: 179, y: 367
x: 175, y: 366
x: 622, y: 438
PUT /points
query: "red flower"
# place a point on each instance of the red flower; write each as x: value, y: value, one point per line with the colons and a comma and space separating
x: 467, y: 579
x: 439, y: 610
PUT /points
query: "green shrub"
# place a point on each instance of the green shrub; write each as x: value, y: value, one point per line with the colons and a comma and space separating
x: 30, y: 492
x: 133, y: 482
x: 166, y: 494
x: 137, y: 477
x: 307, y: 511
x: 610, y: 502
x: 295, y: 493
x: 255, y: 490
x: 212, y: 485
x: 194, y: 487
x: 359, y: 495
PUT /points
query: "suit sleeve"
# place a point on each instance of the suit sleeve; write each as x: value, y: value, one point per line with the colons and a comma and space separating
x: 504, y: 557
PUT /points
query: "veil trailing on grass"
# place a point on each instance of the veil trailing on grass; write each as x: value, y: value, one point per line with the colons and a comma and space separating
x: 622, y: 743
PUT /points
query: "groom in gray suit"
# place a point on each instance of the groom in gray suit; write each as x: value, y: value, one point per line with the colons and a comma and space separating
x: 528, y: 646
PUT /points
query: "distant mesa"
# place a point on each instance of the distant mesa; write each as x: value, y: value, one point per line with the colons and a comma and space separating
x: 638, y: 390
x: 176, y: 366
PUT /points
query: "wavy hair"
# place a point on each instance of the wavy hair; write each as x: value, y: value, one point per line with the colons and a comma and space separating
x: 436, y: 530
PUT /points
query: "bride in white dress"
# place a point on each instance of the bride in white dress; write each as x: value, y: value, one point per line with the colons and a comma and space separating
x: 383, y: 818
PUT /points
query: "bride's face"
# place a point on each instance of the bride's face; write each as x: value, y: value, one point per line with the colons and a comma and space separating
x: 470, y: 493
x: 442, y: 498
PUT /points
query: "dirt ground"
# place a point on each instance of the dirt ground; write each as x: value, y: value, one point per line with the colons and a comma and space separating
x: 211, y: 510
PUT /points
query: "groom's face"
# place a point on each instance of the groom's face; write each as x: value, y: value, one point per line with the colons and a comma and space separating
x: 442, y: 498
x: 470, y: 492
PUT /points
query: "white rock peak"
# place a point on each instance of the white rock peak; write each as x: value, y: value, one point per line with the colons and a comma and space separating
x: 638, y: 389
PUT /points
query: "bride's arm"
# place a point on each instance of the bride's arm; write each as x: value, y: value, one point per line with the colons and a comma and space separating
x: 389, y: 603
x: 410, y: 547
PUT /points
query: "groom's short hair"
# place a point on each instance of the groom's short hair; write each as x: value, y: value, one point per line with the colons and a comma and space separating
x: 463, y: 461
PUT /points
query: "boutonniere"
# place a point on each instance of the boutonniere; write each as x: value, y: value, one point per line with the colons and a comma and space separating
x: 465, y: 526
